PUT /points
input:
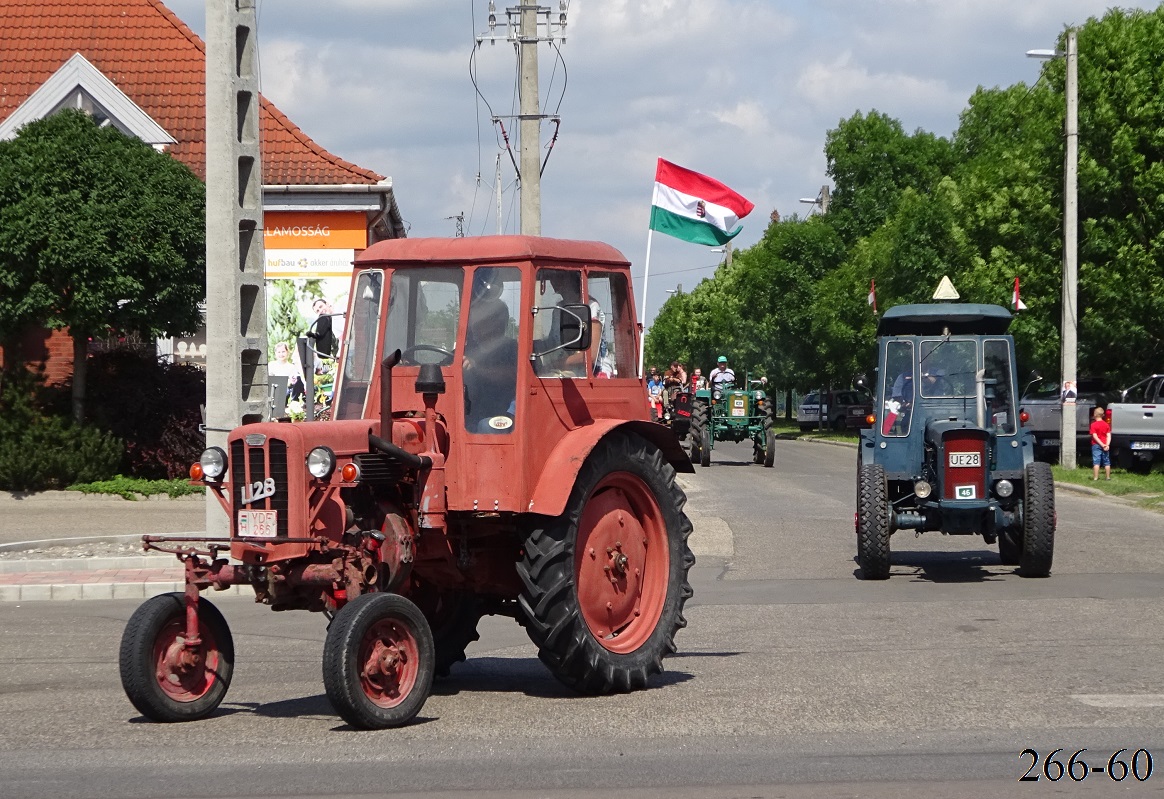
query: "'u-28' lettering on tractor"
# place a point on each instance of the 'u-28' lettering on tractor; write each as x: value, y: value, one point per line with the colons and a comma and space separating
x: 260, y: 489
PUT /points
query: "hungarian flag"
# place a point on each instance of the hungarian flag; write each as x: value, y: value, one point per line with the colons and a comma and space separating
x: 1015, y: 302
x: 694, y: 207
x: 872, y: 299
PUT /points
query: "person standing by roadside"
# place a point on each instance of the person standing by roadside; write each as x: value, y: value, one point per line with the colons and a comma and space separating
x: 1100, y: 444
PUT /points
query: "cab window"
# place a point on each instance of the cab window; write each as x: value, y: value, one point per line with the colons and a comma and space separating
x: 424, y: 306
x: 490, y: 361
x: 897, y: 388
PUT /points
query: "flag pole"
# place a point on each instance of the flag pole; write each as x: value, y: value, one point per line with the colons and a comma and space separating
x: 643, y: 304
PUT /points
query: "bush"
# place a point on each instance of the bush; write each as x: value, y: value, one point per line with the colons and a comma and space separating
x: 131, y: 488
x: 39, y: 451
x: 153, y: 405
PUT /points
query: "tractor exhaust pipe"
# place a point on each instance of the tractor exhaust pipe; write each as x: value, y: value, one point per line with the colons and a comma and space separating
x: 386, y: 392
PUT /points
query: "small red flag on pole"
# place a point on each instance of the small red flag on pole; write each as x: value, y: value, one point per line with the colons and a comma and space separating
x: 1017, y: 303
x: 873, y: 296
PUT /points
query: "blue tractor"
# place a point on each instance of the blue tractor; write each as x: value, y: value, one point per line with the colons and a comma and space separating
x: 947, y: 452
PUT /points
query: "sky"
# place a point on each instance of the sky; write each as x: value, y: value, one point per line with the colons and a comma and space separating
x: 744, y: 91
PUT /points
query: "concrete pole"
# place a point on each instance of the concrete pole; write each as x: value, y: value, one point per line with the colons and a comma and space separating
x: 530, y: 125
x: 236, y: 306
x: 1067, y: 454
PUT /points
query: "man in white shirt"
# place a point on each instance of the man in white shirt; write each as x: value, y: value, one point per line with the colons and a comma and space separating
x: 722, y: 374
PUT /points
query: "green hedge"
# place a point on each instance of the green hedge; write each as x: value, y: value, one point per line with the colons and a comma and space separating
x: 39, y: 451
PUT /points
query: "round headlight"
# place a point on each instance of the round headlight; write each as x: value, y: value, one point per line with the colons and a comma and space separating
x: 922, y: 489
x: 213, y: 463
x: 321, y: 462
x: 1004, y: 488
x: 715, y: 395
x: 759, y: 395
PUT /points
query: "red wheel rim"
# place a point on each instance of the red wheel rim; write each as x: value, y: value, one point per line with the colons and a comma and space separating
x: 185, y: 675
x: 622, y: 562
x: 390, y: 662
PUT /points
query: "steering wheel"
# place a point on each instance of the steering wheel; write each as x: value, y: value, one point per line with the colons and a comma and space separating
x: 406, y: 355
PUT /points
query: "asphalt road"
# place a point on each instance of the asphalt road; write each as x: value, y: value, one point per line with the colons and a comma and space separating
x: 794, y: 678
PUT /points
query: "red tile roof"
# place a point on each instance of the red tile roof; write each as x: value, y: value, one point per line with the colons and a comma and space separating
x: 160, y: 64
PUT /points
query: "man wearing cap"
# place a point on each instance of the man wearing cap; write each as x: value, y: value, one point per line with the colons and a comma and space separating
x: 722, y: 374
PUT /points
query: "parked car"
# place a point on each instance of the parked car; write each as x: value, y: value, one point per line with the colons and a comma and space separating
x: 849, y: 409
x: 1137, y: 425
x: 1041, y: 401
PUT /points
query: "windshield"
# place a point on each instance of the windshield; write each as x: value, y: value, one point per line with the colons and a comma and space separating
x: 424, y: 308
x: 359, y: 351
x: 948, y: 368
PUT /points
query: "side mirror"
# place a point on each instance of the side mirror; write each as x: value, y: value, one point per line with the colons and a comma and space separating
x: 574, y: 326
x: 1035, y: 375
x: 861, y: 381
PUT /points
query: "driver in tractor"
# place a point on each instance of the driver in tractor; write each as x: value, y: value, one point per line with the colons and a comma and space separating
x: 722, y: 375
x: 490, y: 362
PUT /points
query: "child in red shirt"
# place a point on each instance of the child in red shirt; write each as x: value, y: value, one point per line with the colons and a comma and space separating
x: 1100, y: 444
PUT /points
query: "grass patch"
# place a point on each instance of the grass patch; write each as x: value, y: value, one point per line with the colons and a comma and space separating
x: 1146, y: 489
x: 132, y: 488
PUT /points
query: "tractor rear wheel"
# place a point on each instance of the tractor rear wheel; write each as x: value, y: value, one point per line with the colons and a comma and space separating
x: 697, y: 429
x: 604, y: 584
x: 1038, y: 521
x: 163, y: 679
x: 452, y: 616
x: 1010, y: 547
x: 872, y: 523
x: 378, y: 661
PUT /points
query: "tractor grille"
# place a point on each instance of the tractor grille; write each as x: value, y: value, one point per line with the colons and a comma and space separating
x: 737, y: 406
x: 964, y: 467
x: 251, y: 465
x: 380, y: 469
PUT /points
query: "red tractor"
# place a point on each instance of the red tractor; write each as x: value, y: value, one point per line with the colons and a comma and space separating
x: 490, y: 451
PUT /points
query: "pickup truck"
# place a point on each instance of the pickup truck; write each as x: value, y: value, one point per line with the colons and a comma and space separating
x: 1042, y: 404
x: 1137, y: 425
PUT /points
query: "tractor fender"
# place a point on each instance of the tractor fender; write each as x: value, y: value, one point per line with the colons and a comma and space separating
x: 561, y: 469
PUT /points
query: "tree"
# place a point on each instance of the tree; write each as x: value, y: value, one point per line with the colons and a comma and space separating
x: 871, y: 161
x: 99, y: 233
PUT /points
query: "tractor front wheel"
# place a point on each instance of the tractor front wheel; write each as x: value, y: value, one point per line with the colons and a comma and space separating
x: 604, y: 584
x: 378, y: 661
x: 1038, y: 521
x: 769, y: 448
x: 872, y: 523
x: 163, y: 678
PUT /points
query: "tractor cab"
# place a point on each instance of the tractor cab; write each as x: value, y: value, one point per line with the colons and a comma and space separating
x: 947, y: 452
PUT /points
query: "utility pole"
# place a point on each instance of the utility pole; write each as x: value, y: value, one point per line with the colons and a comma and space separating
x: 523, y: 26
x: 1070, y: 322
x: 530, y: 127
x: 236, y: 306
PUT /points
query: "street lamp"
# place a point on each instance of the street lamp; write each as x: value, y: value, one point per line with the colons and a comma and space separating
x: 1070, y: 316
x: 821, y: 200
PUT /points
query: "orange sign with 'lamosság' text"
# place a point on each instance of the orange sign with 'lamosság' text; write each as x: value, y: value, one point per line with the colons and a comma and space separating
x: 315, y: 230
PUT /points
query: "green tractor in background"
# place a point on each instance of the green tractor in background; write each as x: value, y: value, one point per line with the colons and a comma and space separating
x: 727, y: 413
